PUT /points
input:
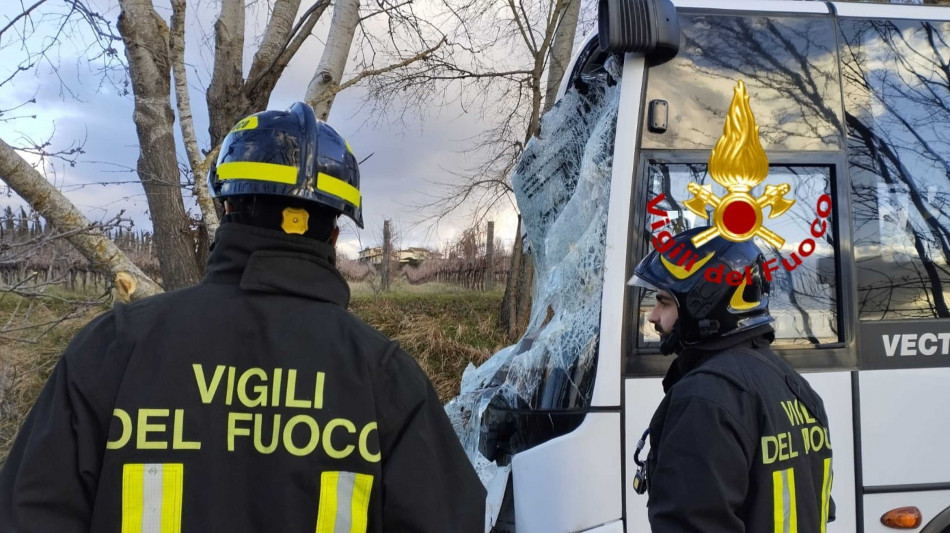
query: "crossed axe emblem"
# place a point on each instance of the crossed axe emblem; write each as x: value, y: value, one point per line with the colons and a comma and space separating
x: 738, y: 215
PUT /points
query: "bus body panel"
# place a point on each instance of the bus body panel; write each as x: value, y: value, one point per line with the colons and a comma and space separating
x: 759, y: 6
x: 641, y: 397
x: 571, y: 483
x: 835, y: 391
x: 891, y: 11
x: 905, y: 426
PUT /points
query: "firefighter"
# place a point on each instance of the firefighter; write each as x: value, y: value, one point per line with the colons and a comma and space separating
x: 740, y: 441
x: 253, y: 401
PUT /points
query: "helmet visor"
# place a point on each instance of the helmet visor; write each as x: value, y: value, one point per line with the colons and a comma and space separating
x: 637, y: 281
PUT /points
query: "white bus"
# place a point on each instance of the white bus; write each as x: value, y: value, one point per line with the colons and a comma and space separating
x: 852, y: 100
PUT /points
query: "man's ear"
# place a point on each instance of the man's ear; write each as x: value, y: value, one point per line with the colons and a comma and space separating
x: 227, y: 207
x: 334, y: 235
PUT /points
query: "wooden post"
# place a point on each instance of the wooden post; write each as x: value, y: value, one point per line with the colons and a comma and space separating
x: 387, y: 250
x: 490, y: 257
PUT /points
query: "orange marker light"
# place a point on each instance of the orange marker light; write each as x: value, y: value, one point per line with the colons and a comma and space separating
x: 902, y: 518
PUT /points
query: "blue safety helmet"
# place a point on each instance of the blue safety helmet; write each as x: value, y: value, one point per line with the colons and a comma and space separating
x: 289, y: 154
x: 709, y: 305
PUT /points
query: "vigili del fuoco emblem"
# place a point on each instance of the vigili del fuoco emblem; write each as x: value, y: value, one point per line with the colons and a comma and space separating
x: 739, y: 164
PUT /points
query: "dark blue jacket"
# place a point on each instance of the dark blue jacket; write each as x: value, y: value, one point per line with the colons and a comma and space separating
x: 740, y: 443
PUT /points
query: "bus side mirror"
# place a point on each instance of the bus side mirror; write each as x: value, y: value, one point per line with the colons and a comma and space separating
x: 650, y: 27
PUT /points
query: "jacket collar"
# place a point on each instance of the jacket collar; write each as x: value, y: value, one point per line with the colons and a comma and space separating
x: 265, y: 260
x: 694, y: 356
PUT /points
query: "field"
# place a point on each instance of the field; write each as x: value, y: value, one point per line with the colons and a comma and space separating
x: 443, y: 327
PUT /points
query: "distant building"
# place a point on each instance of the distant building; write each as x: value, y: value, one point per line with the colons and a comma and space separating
x: 372, y: 256
x: 413, y: 256
x: 408, y: 256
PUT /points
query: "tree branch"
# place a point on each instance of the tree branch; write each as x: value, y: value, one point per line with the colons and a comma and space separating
x: 325, y: 82
x: 376, y: 72
x: 176, y: 46
x: 260, y: 85
x: 58, y: 210
x: 225, y: 91
x: 21, y: 15
x: 277, y: 35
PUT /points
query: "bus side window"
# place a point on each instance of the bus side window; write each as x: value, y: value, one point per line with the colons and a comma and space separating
x: 897, y: 111
x: 803, y: 298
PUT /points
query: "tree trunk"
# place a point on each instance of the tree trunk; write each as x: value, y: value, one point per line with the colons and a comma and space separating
x: 282, y: 39
x: 145, y: 36
x: 556, y: 47
x: 277, y: 34
x: 61, y: 213
x: 226, y: 99
x: 508, y: 317
x: 323, y: 86
x: 490, y: 257
x: 561, y: 51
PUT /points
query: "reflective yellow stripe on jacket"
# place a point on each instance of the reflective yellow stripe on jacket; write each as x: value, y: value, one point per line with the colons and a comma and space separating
x: 344, y: 502
x: 783, y: 490
x: 151, y: 498
x: 825, y: 494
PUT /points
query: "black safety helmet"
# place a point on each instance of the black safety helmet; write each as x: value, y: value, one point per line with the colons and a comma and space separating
x: 291, y: 154
x: 709, y: 305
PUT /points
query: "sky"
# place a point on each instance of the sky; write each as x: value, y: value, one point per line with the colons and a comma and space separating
x: 406, y: 164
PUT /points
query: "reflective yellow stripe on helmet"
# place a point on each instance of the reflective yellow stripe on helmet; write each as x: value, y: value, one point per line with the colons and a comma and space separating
x: 338, y: 188
x: 247, y: 170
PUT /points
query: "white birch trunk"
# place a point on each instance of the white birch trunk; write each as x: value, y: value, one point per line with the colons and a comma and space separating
x: 326, y: 80
x: 176, y: 44
x: 27, y: 182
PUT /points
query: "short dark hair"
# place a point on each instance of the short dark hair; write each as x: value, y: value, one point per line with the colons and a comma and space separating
x: 267, y: 212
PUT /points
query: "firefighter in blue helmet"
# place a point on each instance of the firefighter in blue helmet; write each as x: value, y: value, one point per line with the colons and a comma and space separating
x: 731, y: 445
x: 252, y: 402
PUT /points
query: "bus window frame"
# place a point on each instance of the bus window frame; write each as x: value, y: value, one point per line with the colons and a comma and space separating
x: 842, y: 355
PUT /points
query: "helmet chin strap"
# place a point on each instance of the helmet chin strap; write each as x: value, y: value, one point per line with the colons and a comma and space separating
x: 673, y: 342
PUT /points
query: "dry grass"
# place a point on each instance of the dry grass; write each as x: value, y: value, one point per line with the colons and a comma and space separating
x: 443, y: 331
x: 442, y: 327
x: 25, y: 366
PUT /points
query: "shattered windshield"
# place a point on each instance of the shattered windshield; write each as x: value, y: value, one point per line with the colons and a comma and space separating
x: 538, y: 388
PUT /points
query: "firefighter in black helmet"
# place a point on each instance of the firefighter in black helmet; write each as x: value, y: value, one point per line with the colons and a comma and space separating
x: 253, y: 401
x: 730, y: 444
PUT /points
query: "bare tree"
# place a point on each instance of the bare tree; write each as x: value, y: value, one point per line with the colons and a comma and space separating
x: 155, y: 51
x: 544, y: 32
x: 145, y: 35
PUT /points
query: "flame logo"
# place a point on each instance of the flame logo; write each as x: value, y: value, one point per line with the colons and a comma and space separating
x: 739, y: 164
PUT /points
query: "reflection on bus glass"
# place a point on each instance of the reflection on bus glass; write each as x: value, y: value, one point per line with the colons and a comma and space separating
x: 897, y: 105
x: 789, y: 65
x: 803, y: 295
